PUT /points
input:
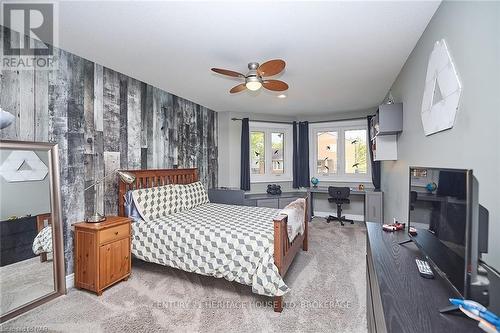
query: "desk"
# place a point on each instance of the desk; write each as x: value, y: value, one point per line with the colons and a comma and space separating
x: 273, y: 201
x: 373, y: 205
x: 233, y: 196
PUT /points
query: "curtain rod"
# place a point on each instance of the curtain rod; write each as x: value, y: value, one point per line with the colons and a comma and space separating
x: 291, y: 122
x: 265, y: 121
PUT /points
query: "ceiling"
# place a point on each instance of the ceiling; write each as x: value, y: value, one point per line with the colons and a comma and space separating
x: 340, y: 56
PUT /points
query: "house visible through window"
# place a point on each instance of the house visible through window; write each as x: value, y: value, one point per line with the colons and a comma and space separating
x: 340, y: 151
x: 327, y: 152
x: 270, y: 152
x: 355, y: 151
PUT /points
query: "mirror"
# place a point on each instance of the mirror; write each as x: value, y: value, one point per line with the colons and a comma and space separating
x: 31, y: 264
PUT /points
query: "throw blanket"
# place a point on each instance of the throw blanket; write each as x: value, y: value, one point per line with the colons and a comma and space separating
x: 43, y: 241
x: 296, y: 216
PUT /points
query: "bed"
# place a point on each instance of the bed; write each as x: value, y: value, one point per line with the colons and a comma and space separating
x: 42, y: 245
x: 249, y: 245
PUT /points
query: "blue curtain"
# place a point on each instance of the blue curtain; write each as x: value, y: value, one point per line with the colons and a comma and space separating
x: 303, y: 155
x: 296, y: 167
x: 375, y: 164
x: 245, y: 156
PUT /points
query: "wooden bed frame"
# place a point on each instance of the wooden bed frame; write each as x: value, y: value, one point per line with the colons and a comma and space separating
x: 284, y: 250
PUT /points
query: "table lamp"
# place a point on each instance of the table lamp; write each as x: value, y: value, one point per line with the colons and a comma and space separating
x: 125, y: 177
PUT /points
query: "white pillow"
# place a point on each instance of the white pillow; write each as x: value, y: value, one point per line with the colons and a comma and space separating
x: 156, y: 202
x: 192, y: 195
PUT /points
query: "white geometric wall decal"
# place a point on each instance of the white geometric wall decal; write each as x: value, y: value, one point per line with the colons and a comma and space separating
x: 6, y: 119
x: 442, y: 91
x: 22, y: 166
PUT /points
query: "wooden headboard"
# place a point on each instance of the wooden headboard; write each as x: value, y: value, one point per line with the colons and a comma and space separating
x: 152, y: 178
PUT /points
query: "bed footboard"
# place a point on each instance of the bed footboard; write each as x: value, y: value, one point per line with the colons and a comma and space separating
x: 284, y: 250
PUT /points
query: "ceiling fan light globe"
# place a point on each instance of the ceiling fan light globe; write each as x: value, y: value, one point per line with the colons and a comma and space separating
x: 253, y: 85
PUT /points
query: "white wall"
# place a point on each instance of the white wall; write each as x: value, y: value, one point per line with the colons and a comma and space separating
x: 340, y: 115
x: 472, y: 32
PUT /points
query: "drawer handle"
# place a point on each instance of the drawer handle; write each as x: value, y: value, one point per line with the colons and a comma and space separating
x: 116, y: 233
x: 126, y: 257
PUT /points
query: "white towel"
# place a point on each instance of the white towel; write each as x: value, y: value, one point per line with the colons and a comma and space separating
x: 295, y: 212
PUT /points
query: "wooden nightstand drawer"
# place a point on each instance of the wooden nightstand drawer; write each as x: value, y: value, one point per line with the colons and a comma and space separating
x: 114, y: 233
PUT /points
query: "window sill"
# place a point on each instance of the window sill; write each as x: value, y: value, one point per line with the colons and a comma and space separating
x: 271, y: 180
x: 343, y: 180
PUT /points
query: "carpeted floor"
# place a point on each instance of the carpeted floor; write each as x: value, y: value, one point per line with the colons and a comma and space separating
x: 328, y: 294
x: 25, y: 281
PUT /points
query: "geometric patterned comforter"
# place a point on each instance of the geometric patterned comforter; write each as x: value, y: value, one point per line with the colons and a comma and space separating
x: 224, y: 241
x: 43, y: 241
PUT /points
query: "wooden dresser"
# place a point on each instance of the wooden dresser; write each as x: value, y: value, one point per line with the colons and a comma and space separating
x: 102, y: 253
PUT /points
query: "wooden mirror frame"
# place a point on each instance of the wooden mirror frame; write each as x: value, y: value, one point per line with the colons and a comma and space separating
x: 56, y: 216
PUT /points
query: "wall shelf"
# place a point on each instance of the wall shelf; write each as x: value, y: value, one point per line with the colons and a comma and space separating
x: 384, y: 129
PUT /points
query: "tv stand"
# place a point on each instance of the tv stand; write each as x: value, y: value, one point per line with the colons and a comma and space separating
x: 398, y: 298
x: 405, y: 242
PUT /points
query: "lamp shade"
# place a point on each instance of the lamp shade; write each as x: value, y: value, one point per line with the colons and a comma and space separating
x: 126, y: 177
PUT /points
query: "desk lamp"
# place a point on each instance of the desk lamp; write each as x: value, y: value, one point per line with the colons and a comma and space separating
x: 126, y: 177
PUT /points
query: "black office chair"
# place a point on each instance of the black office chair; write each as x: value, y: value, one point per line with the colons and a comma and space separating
x: 413, y: 199
x: 339, y: 195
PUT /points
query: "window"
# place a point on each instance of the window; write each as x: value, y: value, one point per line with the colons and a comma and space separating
x: 278, y: 162
x: 257, y: 153
x: 340, y: 151
x: 270, y: 152
x: 355, y: 151
x: 327, y: 153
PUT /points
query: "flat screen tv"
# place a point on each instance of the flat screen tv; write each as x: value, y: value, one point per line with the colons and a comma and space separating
x: 441, y: 209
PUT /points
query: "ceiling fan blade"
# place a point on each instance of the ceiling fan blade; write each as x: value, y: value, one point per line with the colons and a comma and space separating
x: 275, y: 85
x: 271, y: 67
x: 227, y: 72
x: 238, y: 88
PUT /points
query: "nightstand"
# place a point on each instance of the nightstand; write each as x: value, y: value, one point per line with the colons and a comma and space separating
x: 102, y: 253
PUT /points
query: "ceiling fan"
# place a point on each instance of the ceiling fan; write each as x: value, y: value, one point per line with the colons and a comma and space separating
x: 255, y: 78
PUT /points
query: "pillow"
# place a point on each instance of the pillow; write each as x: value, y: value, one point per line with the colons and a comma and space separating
x: 192, y: 195
x: 130, y: 208
x: 156, y: 202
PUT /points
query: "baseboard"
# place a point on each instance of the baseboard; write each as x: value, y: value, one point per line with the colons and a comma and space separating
x: 70, y: 281
x: 360, y: 218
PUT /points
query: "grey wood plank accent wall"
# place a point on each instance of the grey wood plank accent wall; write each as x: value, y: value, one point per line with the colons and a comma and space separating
x: 104, y: 120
